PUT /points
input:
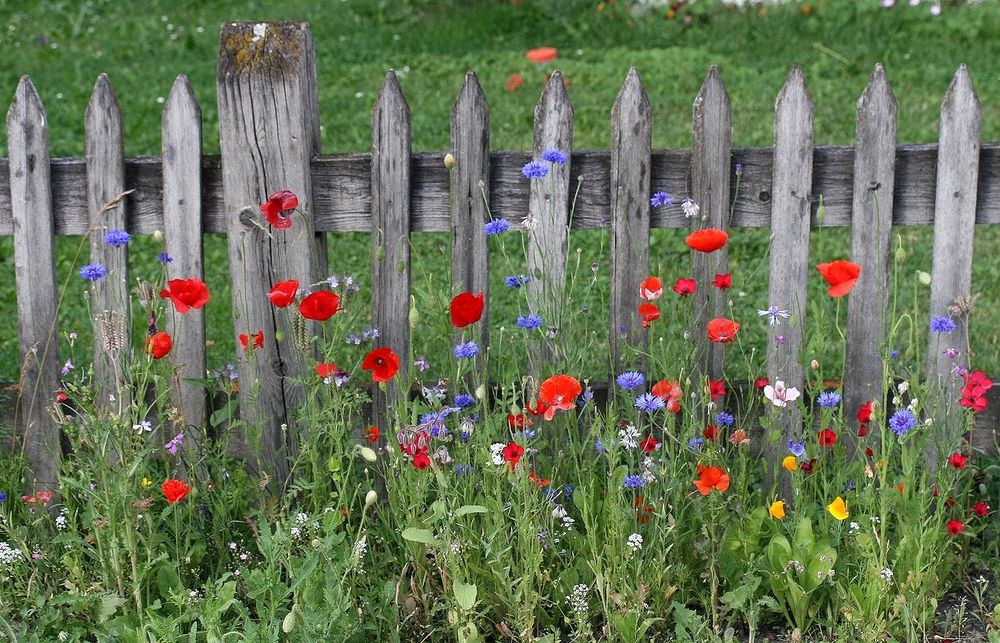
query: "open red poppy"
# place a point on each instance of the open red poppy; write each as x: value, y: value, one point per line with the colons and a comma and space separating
x: 421, y: 461
x: 158, y: 345
x: 827, y: 438
x: 174, y: 490
x: 711, y: 478
x: 722, y: 330
x: 707, y: 240
x: 326, y: 369
x: 651, y: 288
x: 320, y: 305
x: 512, y: 454
x: 669, y: 392
x: 466, y: 309
x: 560, y: 393
x: 258, y: 340
x: 186, y: 294
x: 840, y: 275
x: 514, y: 82
x: 648, y: 313
x: 685, y: 287
x: 541, y: 54
x: 723, y: 282
x: 716, y: 388
x: 277, y: 205
x: 283, y: 293
x: 372, y: 434
x: 383, y: 364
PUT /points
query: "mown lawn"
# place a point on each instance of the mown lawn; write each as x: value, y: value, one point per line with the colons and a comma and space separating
x: 65, y: 45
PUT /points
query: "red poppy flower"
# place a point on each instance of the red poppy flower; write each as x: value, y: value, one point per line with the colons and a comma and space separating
x: 950, y: 502
x: 466, y: 309
x: 723, y: 282
x: 326, y: 369
x: 977, y: 404
x: 707, y: 240
x: 711, y: 432
x: 382, y: 362
x: 512, y: 454
x: 560, y: 393
x: 421, y: 461
x: 514, y: 82
x: 648, y: 313
x: 158, y: 345
x: 760, y: 383
x: 981, y: 509
x: 809, y: 467
x: 685, y: 287
x: 258, y: 340
x: 840, y: 275
x: 518, y: 421
x: 538, y: 480
x: 863, y: 431
x: 865, y: 412
x: 650, y: 444
x: 955, y: 527
x: 61, y: 396
x: 643, y: 512
x: 283, y: 293
x: 957, y: 460
x: 174, y: 490
x: 669, y: 392
x: 976, y: 384
x: 716, y: 388
x: 827, y: 438
x: 869, y: 452
x: 711, y: 478
x: 541, y: 55
x: 722, y: 330
x: 320, y: 305
x: 277, y: 205
x: 538, y: 409
x: 651, y: 288
x: 372, y: 434
x: 186, y: 294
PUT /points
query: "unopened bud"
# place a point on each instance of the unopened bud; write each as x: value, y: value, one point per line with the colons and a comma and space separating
x: 370, y: 498
x: 814, y: 365
x: 414, y: 316
x: 368, y: 454
x: 158, y: 236
x: 288, y: 624
x: 480, y: 392
x: 924, y: 277
x: 449, y: 160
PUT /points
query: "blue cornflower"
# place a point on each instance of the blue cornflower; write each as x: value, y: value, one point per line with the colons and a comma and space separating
x: 164, y: 258
x: 516, y: 281
x: 586, y: 396
x: 695, y: 444
x: 464, y: 400
x: 529, y: 322
x: 535, y: 170
x: 630, y: 380
x: 850, y: 485
x: 568, y: 492
x: 943, y: 325
x: 902, y: 421
x: 462, y: 469
x: 649, y: 403
x: 496, y: 226
x: 466, y: 350
x: 551, y: 494
x: 828, y: 399
x: 599, y: 446
x: 116, y: 238
x: 661, y: 199
x: 93, y: 272
x: 3, y: 496
x: 434, y: 421
x: 554, y: 156
x: 634, y: 482
x: 724, y: 419
x: 798, y: 449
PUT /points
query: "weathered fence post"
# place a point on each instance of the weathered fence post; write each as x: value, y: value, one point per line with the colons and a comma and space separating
x: 790, y: 224
x: 631, y: 144
x: 390, y: 183
x: 268, y: 122
x: 35, y: 281
x: 871, y: 228
x: 182, y: 223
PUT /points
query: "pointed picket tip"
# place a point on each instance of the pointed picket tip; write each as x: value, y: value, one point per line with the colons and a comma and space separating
x: 632, y: 91
x: 877, y: 91
x: 391, y: 93
x: 713, y: 86
x: 182, y: 96
x: 795, y: 87
x: 471, y: 94
x: 26, y: 104
x: 961, y: 92
x: 554, y: 92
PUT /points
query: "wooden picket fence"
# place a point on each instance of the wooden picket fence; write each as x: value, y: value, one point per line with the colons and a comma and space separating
x: 269, y: 124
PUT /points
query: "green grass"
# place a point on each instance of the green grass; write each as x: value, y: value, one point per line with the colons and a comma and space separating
x: 65, y: 45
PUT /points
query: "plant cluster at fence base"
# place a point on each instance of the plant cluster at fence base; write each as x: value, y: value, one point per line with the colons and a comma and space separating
x: 514, y: 510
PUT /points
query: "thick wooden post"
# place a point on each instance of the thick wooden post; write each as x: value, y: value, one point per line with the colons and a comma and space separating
x: 35, y: 280
x: 268, y: 122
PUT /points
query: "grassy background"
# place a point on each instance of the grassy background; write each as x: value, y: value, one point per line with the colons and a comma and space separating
x: 65, y: 45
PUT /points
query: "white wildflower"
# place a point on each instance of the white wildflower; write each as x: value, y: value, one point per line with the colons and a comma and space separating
x: 690, y: 208
x: 635, y: 542
x: 629, y: 437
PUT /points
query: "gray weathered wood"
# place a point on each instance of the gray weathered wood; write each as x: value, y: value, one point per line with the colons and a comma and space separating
x: 470, y: 144
x: 710, y: 184
x: 390, y: 186
x: 109, y: 297
x: 182, y: 227
x: 793, y: 151
x: 35, y: 284
x: 954, y: 227
x: 267, y: 122
x: 548, y: 206
x: 631, y: 143
x: 874, y: 176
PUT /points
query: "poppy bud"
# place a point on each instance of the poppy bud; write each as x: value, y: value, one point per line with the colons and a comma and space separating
x: 480, y: 392
x: 820, y: 210
x: 900, y: 253
x: 924, y: 277
x: 158, y: 236
x: 279, y: 336
x: 449, y: 160
x: 370, y: 498
x: 814, y: 365
x: 368, y: 454
x: 414, y: 317
x: 288, y: 623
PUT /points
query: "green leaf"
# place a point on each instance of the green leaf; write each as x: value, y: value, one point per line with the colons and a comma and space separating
x: 416, y: 535
x: 803, y: 540
x: 225, y: 413
x: 304, y: 571
x: 470, y: 509
x: 465, y: 594
x: 167, y: 581
x: 109, y: 605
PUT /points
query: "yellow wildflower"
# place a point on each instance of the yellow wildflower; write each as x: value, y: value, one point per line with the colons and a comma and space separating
x: 777, y: 509
x: 838, y: 509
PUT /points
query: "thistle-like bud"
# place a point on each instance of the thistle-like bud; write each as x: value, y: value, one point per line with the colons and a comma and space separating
x: 449, y: 160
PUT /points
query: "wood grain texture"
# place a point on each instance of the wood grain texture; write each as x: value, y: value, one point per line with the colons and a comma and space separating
x: 710, y: 188
x: 631, y: 143
x: 871, y: 228
x: 470, y: 144
x: 109, y: 297
x: 789, y: 267
x: 182, y: 228
x: 267, y: 112
x: 390, y: 189
x: 35, y: 285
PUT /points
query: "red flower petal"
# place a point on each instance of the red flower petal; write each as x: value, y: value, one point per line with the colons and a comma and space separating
x: 320, y: 305
x: 283, y: 293
x: 707, y: 240
x: 840, y: 275
x: 466, y: 309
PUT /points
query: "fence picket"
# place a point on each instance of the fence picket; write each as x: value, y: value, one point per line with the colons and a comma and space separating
x: 790, y: 212
x: 874, y: 180
x: 470, y: 142
x: 390, y: 180
x: 109, y: 298
x: 35, y: 284
x: 181, y: 130
x: 268, y: 134
x: 954, y: 227
x: 710, y: 188
x: 631, y: 144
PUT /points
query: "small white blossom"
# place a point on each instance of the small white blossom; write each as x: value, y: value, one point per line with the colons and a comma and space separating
x: 635, y: 542
x: 577, y: 599
x: 629, y: 437
x: 9, y: 555
x: 690, y: 208
x: 886, y: 574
